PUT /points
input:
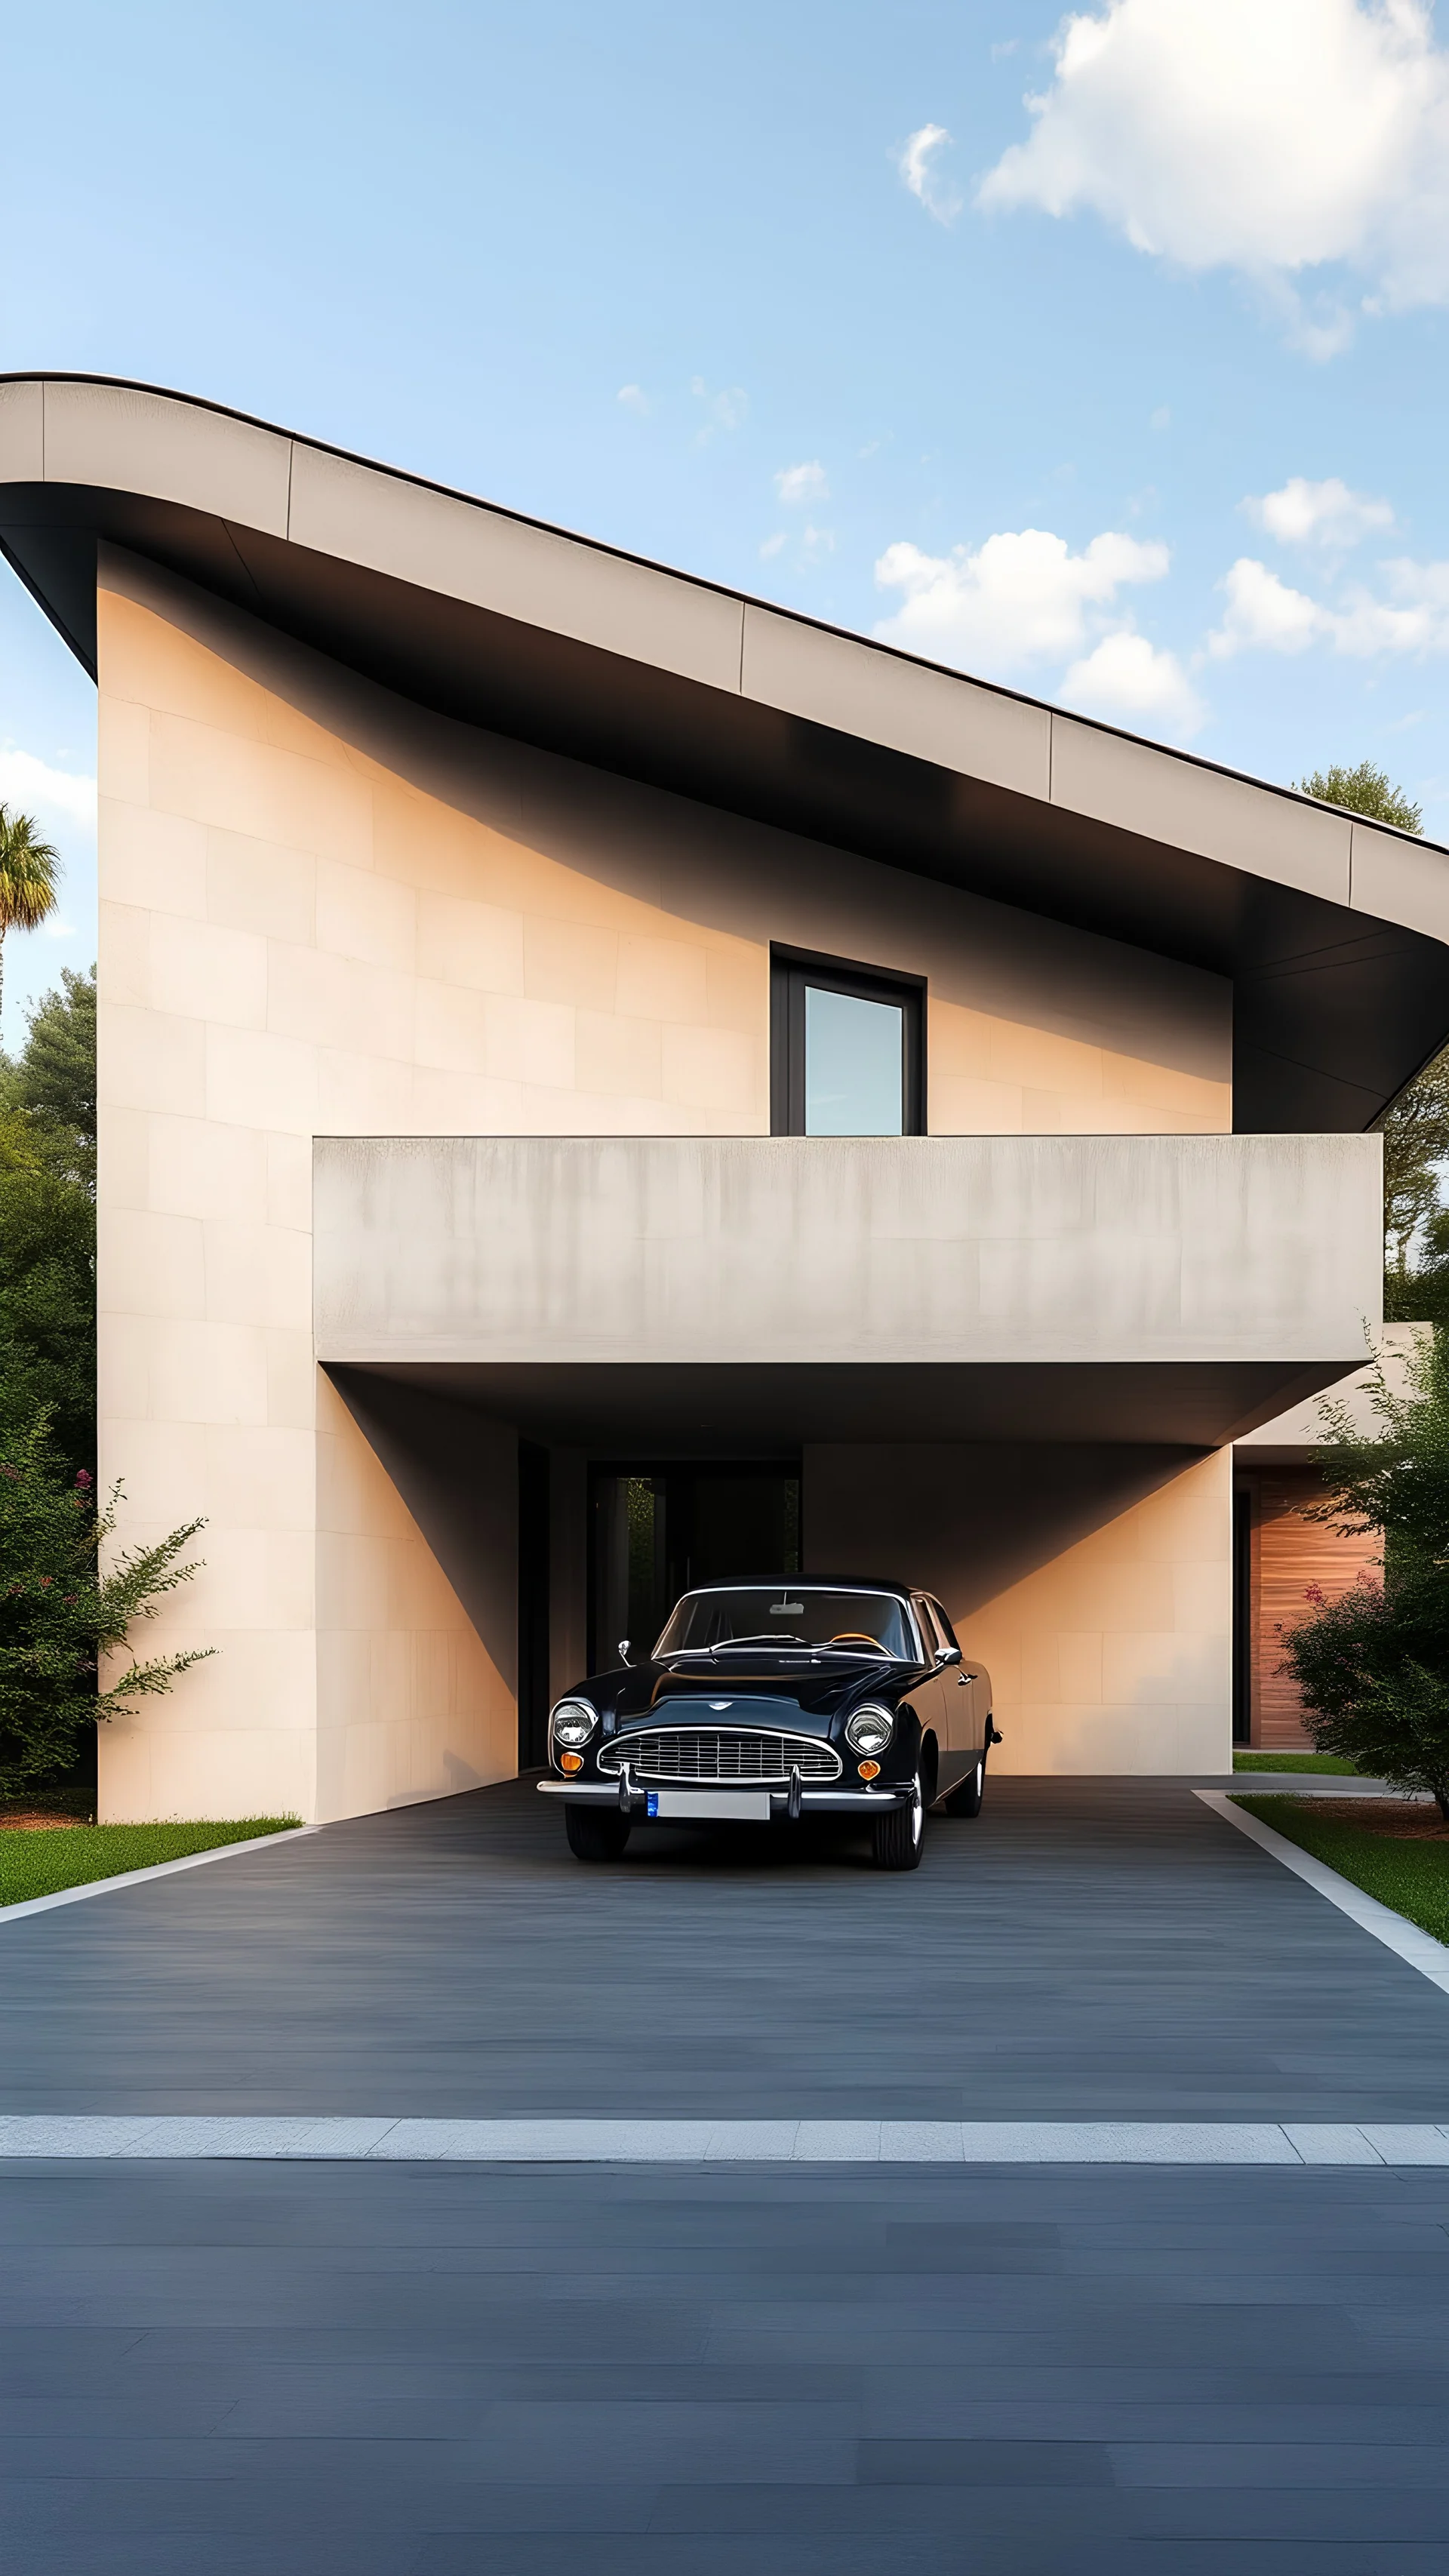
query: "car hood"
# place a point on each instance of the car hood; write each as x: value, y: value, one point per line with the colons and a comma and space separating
x: 767, y: 1689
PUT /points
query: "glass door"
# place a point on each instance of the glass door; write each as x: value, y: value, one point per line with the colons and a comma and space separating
x: 654, y: 1531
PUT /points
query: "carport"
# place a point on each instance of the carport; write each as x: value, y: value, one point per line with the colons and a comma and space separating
x: 957, y: 1362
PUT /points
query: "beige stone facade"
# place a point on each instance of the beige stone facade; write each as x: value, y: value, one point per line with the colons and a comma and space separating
x: 432, y: 832
x: 325, y: 910
x: 1093, y: 1582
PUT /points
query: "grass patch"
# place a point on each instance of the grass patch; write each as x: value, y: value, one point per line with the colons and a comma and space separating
x: 1333, y: 1762
x: 1410, y: 1877
x: 42, y: 1862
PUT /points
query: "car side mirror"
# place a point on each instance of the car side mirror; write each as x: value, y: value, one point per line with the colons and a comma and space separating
x: 623, y: 1650
x: 947, y: 1655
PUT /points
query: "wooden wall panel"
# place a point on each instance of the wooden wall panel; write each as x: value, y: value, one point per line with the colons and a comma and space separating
x: 1291, y: 1552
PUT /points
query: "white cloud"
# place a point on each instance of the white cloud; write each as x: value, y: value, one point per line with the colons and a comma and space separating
x: 634, y: 399
x: 1021, y: 597
x: 798, y: 483
x: 725, y: 410
x: 812, y: 544
x: 1280, y: 140
x: 1264, y: 615
x: 1323, y: 514
x: 26, y: 782
x: 917, y: 166
x: 1127, y: 678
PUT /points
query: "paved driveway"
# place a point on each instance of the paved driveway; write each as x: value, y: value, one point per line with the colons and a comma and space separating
x: 399, y: 2371
x: 405, y: 2370
x: 1085, y: 1950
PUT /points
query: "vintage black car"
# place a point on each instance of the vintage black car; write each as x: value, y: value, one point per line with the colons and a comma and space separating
x: 766, y: 1702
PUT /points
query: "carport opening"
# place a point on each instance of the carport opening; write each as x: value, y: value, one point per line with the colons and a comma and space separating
x: 656, y: 1529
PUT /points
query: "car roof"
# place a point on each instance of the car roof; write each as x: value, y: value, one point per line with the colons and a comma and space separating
x: 804, y: 1583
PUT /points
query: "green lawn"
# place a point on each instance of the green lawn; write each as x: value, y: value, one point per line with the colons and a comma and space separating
x: 1296, y: 1762
x: 40, y: 1863
x: 1413, y: 1878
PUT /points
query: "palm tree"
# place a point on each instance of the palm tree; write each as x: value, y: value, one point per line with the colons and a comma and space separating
x: 29, y: 879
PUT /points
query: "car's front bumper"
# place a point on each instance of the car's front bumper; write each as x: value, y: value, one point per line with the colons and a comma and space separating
x: 838, y: 1800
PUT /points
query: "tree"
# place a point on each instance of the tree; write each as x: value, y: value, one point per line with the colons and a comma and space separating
x: 29, y: 878
x: 1365, y: 790
x: 61, y: 1615
x: 47, y: 1294
x: 1394, y: 1479
x: 1416, y: 1143
x: 48, y: 1224
x: 1416, y: 1126
x: 1373, y: 1666
x: 55, y: 1081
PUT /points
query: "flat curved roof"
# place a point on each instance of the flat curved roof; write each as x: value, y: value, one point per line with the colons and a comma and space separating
x: 1335, y: 931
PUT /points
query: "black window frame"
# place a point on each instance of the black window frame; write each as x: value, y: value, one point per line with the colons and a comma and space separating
x: 793, y: 971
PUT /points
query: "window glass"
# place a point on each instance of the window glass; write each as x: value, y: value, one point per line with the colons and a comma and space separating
x: 930, y: 1623
x: 790, y: 1614
x: 943, y: 1623
x: 854, y: 1056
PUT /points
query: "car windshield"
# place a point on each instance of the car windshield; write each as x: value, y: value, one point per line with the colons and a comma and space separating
x: 792, y: 1615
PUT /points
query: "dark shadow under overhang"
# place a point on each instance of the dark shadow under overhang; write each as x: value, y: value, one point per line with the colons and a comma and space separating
x: 1334, y: 1010
x: 742, y: 1409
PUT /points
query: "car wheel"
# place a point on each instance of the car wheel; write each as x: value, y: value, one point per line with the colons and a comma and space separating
x: 895, y: 1838
x: 596, y: 1834
x: 966, y: 1801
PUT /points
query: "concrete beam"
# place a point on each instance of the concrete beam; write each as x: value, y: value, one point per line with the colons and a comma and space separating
x: 1245, y: 1253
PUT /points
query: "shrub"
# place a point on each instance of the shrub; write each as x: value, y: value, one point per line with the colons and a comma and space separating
x: 61, y: 1614
x: 1373, y: 1666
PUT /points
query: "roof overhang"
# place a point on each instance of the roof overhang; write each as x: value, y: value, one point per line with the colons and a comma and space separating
x: 1335, y: 932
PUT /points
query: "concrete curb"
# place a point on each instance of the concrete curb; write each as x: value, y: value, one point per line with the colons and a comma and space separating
x: 143, y: 1877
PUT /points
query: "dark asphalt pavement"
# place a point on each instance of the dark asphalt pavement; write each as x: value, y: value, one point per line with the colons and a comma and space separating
x: 268, y: 2370
x: 217, y: 2369
x: 1084, y: 1950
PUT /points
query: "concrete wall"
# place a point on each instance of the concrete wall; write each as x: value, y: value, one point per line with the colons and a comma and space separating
x: 1290, y: 1438
x: 324, y: 910
x: 1094, y: 1583
x: 417, y: 1588
x: 1127, y: 1250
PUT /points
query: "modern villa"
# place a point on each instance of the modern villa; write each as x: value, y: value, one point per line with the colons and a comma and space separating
x: 606, y: 1083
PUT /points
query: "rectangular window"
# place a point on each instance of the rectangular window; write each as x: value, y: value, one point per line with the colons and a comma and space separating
x: 847, y: 1049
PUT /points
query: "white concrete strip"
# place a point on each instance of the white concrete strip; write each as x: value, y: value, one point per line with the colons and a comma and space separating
x: 1419, y: 1949
x: 1313, y: 1784
x: 142, y: 1877
x: 885, y: 2142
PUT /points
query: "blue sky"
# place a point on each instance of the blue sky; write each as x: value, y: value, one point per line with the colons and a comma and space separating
x: 1132, y: 397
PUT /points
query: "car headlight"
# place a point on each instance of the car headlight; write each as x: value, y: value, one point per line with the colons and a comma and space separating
x: 573, y: 1722
x: 869, y: 1730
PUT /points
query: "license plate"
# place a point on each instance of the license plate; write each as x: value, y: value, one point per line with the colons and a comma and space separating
x: 732, y: 1806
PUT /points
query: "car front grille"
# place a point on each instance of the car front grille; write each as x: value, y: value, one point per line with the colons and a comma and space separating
x: 719, y: 1753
